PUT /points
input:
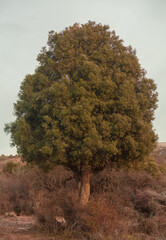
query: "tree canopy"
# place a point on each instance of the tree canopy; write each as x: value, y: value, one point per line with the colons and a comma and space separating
x: 89, y: 103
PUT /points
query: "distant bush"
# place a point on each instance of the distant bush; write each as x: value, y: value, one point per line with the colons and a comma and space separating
x: 10, y: 167
x: 2, y: 157
x: 17, y: 193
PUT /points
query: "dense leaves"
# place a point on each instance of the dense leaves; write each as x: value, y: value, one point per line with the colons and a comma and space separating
x: 88, y: 103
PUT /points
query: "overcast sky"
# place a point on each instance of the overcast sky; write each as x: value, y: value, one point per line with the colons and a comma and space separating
x: 24, y: 27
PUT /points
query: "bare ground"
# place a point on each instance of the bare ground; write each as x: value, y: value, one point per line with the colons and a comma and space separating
x: 19, y: 228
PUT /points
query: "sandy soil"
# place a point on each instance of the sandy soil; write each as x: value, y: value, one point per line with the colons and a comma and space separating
x: 19, y: 228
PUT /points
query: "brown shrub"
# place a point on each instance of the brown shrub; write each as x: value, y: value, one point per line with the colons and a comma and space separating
x: 123, y: 205
x: 17, y: 193
x: 150, y: 203
x: 97, y: 220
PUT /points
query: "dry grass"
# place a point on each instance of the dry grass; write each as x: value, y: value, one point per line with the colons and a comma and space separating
x: 123, y: 205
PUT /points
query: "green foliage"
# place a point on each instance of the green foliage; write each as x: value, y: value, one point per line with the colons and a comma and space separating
x: 150, y: 166
x: 88, y: 103
x: 10, y: 167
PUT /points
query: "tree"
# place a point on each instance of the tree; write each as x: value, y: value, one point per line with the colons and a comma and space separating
x: 88, y: 105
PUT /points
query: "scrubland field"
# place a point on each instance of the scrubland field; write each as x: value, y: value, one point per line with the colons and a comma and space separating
x: 124, y: 204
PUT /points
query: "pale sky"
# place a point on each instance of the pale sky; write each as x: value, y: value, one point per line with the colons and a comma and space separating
x: 24, y: 27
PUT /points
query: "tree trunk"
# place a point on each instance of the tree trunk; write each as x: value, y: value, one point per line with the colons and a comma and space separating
x: 84, y: 191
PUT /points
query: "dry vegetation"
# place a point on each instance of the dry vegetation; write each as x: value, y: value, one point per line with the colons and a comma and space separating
x: 123, y: 205
x: 160, y: 153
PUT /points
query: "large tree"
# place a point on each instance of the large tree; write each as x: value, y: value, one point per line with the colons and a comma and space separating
x: 88, y: 105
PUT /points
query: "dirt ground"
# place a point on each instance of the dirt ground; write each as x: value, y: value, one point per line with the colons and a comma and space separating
x: 19, y: 228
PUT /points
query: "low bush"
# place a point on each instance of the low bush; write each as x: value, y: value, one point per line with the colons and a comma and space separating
x: 17, y: 193
x: 10, y: 167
